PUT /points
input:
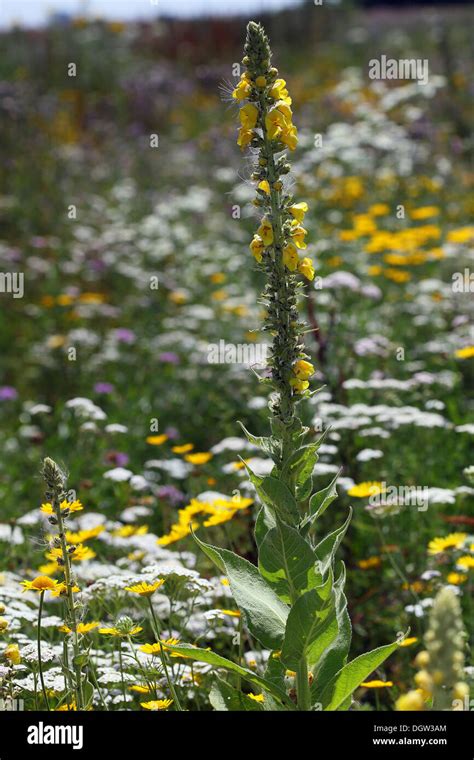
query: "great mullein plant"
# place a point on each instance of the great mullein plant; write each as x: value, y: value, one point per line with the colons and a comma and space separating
x: 293, y: 602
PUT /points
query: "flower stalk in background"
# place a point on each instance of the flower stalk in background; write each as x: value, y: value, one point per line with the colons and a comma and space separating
x: 59, y: 508
x: 440, y: 678
x: 293, y: 602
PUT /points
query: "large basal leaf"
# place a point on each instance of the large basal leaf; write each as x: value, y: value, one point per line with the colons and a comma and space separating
x: 346, y: 681
x: 287, y: 562
x: 206, y: 655
x: 224, y: 697
x: 265, y: 613
x: 319, y: 502
x: 310, y: 617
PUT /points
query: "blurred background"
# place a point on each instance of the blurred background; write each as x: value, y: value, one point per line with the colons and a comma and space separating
x: 123, y: 169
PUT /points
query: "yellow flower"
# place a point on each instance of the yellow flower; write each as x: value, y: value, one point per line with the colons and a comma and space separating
x: 464, y: 353
x: 279, y: 91
x: 363, y: 490
x: 248, y: 115
x: 305, y: 267
x: 456, y: 578
x: 290, y: 257
x: 82, y: 628
x: 67, y: 707
x: 231, y: 613
x: 303, y: 369
x: 157, y: 704
x: 367, y: 564
x: 265, y: 231
x: 298, y: 234
x: 274, y: 123
x: 256, y: 697
x: 242, y: 90
x: 379, y: 209
x: 298, y: 210
x: 299, y: 385
x: 183, y: 448
x: 452, y: 541
x: 411, y: 701
x: 72, y: 506
x: 83, y: 535
x: 408, y: 642
x: 245, y: 137
x: 265, y: 186
x: 425, y: 212
x: 377, y: 684
x: 257, y: 247
x: 12, y: 654
x: 460, y: 235
x: 140, y: 689
x: 198, y: 458
x: 145, y: 589
x: 3, y: 624
x: 156, y: 440
x: 261, y: 82
x: 467, y: 562
x: 290, y: 137
x: 61, y: 589
x: 119, y: 632
x: 41, y: 583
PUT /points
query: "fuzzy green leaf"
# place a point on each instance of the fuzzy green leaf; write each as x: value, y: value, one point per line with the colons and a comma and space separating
x: 327, y: 548
x: 224, y: 697
x: 265, y: 613
x: 320, y: 501
x: 346, y: 681
x: 287, y: 562
x: 205, y: 655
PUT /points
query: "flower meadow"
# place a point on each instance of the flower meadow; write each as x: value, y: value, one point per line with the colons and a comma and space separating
x: 237, y: 361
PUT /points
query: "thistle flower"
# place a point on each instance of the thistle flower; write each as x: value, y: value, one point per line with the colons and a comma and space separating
x: 266, y: 124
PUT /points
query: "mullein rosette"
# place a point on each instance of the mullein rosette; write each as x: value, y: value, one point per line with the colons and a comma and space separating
x: 293, y: 601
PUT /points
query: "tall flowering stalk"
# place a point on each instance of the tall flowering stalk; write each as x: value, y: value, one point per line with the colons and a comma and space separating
x: 59, y: 508
x: 293, y: 602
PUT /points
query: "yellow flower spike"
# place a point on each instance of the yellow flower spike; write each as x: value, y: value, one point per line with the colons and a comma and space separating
x: 145, y: 589
x: 306, y: 268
